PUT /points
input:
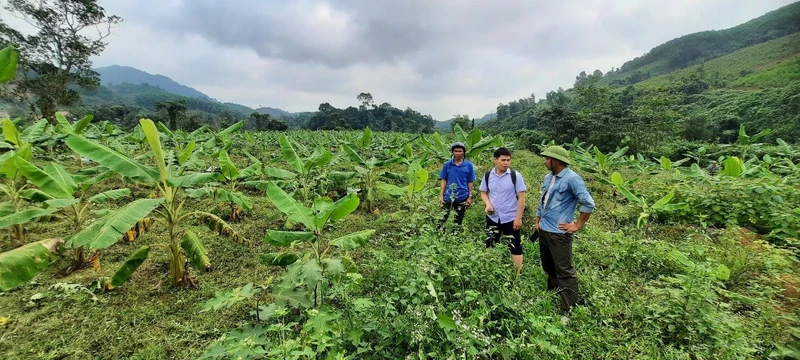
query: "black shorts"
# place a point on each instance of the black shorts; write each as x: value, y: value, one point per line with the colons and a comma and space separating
x: 497, y: 233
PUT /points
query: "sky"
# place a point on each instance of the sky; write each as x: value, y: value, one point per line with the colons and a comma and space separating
x: 442, y: 57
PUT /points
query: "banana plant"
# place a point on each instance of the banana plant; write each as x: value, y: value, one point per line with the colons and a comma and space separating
x: 54, y: 182
x: 304, y: 168
x: 600, y: 163
x: 167, y: 177
x: 308, y: 253
x: 647, y: 210
x: 229, y: 192
x: 416, y: 177
x: 746, y: 141
x: 366, y: 173
x: 9, y: 56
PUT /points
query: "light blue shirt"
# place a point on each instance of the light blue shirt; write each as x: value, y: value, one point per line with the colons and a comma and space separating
x: 502, y: 195
x: 568, y: 191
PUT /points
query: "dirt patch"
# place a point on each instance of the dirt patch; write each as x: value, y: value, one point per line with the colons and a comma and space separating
x: 791, y: 286
x: 750, y: 240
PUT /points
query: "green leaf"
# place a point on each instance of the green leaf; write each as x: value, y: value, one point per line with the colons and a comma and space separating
x: 229, y: 170
x: 61, y: 175
x: 629, y: 195
x: 278, y: 173
x: 11, y: 133
x: 35, y: 195
x: 666, y: 163
x: 194, y: 179
x: 366, y: 138
x: 151, y: 133
x: 344, y: 207
x: 226, y: 299
x: 9, y: 56
x: 341, y: 175
x: 111, y: 159
x: 722, y: 273
x: 195, y: 251
x: 21, y: 217
x: 287, y: 238
x: 664, y: 200
x: 64, y: 124
x: 390, y: 189
x: 34, y: 131
x: 110, y: 229
x: 319, y: 158
x: 231, y: 129
x: 732, y: 166
x: 289, y: 206
x: 290, y: 155
x: 22, y: 264
x: 354, y: 240
x: 82, y: 123
x: 353, y: 155
x: 186, y: 153
x: 461, y: 135
x: 446, y: 322
x: 616, y: 178
x: 43, y: 180
x: 279, y: 259
x: 110, y: 195
x: 420, y: 179
x: 333, y: 266
x: 126, y: 270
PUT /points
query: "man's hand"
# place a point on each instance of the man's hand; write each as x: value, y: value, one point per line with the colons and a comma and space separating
x: 517, y: 224
x: 441, y: 199
x: 569, y: 227
x: 489, y: 210
x: 536, y: 226
x: 469, y: 201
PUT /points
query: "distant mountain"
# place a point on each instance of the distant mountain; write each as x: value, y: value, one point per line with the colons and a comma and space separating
x: 116, y: 74
x: 274, y: 112
x: 445, y: 125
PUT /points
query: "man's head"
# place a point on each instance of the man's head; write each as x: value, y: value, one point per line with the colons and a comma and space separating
x: 502, y: 159
x: 458, y: 150
x: 555, y: 158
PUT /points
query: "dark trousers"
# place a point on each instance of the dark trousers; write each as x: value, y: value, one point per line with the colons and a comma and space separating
x: 556, y: 252
x: 459, y: 206
x: 496, y: 231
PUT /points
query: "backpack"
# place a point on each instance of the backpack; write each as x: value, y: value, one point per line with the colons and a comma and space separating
x: 513, y: 180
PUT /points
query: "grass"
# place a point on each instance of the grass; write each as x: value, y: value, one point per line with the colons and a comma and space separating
x: 617, y: 264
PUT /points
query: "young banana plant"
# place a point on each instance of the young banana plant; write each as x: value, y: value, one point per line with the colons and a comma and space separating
x: 228, y: 192
x: 367, y: 173
x: 304, y: 168
x: 662, y: 205
x: 416, y: 177
x: 169, y: 180
x: 309, y: 252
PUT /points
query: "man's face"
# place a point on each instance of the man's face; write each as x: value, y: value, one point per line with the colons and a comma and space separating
x: 503, y: 162
x: 548, y: 163
x: 458, y: 153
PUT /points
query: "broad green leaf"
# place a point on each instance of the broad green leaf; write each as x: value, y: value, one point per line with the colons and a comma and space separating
x: 279, y: 259
x: 344, y: 207
x: 59, y: 173
x: 66, y: 127
x: 420, y: 179
x: 390, y: 189
x: 681, y: 258
x: 664, y: 200
x: 234, y: 197
x: 319, y: 158
x: 311, y: 273
x: 461, y: 135
x: 287, y: 238
x: 278, y: 173
x: 22, y: 264
x: 43, y: 180
x: 11, y: 133
x: 34, y: 131
x: 21, y: 217
x: 722, y: 273
x: 341, y: 175
x: 194, y: 179
x: 290, y: 155
x: 333, y: 266
x: 250, y: 171
x: 732, y: 167
x: 602, y: 159
x: 9, y: 56
x: 631, y: 197
x: 227, y: 167
x: 110, y: 195
x: 164, y: 129
x: 289, y: 206
x: 484, y: 144
x: 672, y: 207
x: 81, y: 124
x: 154, y: 140
x: 126, y: 270
x: 108, y: 230
x: 111, y: 159
x: 354, y: 240
x: 616, y: 178
x: 366, y: 138
x: 195, y: 251
x: 446, y: 322
x: 6, y: 208
x: 473, y: 138
x: 353, y: 155
x: 35, y: 195
x: 231, y: 129
x: 186, y: 153
x: 666, y: 163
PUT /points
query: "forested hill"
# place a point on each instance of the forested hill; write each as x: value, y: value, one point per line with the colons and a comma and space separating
x: 116, y: 74
x: 699, y: 47
x: 756, y: 87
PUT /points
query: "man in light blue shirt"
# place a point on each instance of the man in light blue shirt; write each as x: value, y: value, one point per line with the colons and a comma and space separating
x: 562, y: 191
x: 503, y: 193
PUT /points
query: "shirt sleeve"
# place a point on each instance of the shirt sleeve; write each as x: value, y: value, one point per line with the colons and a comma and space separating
x: 580, y: 191
x: 483, y: 185
x: 443, y: 173
x: 539, y: 202
x: 521, y: 183
x: 471, y: 177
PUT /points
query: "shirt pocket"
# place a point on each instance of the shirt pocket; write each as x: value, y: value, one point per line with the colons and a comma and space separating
x: 561, y: 192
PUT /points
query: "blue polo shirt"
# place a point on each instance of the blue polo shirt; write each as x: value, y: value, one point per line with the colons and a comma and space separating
x: 460, y: 175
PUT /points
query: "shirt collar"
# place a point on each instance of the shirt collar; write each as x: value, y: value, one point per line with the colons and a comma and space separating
x: 494, y: 171
x: 562, y: 173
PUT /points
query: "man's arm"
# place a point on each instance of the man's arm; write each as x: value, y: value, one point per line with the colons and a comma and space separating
x: 520, y: 210
x: 441, y: 193
x: 485, y: 197
x: 469, y: 189
x: 586, y: 202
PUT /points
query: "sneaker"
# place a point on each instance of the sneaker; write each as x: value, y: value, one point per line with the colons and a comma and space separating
x: 565, y: 320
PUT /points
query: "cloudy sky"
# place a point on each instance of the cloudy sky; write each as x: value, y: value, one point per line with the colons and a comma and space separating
x: 439, y: 57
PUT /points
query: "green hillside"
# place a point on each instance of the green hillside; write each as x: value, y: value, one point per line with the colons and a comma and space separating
x: 699, y: 47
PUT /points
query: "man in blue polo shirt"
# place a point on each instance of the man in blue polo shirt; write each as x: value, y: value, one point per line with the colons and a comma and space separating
x: 503, y: 193
x: 457, y: 176
x: 562, y: 191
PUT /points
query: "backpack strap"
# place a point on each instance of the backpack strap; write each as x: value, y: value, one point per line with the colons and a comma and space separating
x: 486, y: 180
x: 514, y: 179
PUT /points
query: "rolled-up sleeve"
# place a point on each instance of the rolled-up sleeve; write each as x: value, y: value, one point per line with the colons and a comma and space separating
x: 582, y: 194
